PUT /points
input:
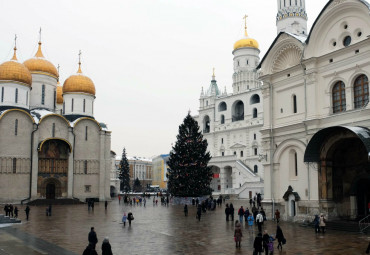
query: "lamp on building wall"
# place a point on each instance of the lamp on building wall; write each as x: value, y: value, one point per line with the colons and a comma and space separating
x: 261, y: 157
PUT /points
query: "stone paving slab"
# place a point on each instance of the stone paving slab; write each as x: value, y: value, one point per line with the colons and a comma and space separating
x: 165, y: 230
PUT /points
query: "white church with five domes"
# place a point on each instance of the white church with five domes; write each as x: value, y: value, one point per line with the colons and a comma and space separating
x: 51, y: 146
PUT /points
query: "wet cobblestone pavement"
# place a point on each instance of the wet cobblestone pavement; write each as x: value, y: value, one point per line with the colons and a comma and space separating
x: 163, y: 230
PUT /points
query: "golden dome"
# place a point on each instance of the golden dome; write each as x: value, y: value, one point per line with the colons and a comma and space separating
x: 59, y: 94
x: 38, y: 64
x: 79, y: 83
x: 246, y: 42
x: 14, y: 71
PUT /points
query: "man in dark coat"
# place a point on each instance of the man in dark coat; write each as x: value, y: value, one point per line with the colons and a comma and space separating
x: 27, y: 210
x: 90, y: 250
x: 92, y: 238
x: 227, y: 212
x: 257, y: 245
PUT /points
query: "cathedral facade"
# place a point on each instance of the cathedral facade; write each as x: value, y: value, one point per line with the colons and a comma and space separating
x: 231, y: 123
x: 51, y: 146
x: 316, y: 128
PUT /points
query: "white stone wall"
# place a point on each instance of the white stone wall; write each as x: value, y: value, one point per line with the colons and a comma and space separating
x: 50, y: 92
x: 78, y: 104
x: 8, y: 98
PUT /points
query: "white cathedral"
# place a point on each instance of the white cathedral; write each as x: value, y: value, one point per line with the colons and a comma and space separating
x: 51, y: 146
x: 312, y: 121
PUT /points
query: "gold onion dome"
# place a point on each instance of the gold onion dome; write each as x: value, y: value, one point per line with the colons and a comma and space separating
x: 14, y: 71
x: 246, y: 41
x: 79, y: 83
x: 59, y: 94
x: 38, y: 64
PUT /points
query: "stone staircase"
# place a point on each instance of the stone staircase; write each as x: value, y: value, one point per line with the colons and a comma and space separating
x: 6, y: 219
x: 63, y: 201
x: 339, y: 225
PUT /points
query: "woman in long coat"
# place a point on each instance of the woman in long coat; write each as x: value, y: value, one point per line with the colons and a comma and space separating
x: 238, y: 234
x: 257, y: 245
x: 280, y: 237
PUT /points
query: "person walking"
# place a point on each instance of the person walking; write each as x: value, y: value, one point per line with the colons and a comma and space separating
x: 250, y: 220
x: 90, y: 250
x: 250, y: 203
x: 238, y: 234
x: 106, y: 204
x: 257, y: 244
x: 199, y: 212
x: 130, y: 217
x: 227, y: 212
x: 277, y: 216
x: 27, y: 210
x: 186, y: 210
x: 49, y: 209
x: 316, y: 223
x: 280, y: 237
x: 241, y: 214
x: 232, y: 211
x: 16, y: 212
x: 92, y: 238
x: 322, y: 223
x: 124, y: 219
x: 11, y: 210
x: 246, y: 214
x: 259, y: 220
x: 105, y: 247
x: 266, y: 241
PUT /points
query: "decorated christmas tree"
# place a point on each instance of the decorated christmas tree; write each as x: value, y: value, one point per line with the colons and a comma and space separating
x: 189, y: 174
x: 124, y: 172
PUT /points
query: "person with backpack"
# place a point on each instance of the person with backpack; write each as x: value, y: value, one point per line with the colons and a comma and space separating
x: 266, y: 240
x: 227, y: 212
x: 316, y: 223
x: 241, y: 214
x: 246, y: 214
x: 130, y: 217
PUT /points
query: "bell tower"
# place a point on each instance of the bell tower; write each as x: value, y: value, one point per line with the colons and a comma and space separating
x: 292, y: 17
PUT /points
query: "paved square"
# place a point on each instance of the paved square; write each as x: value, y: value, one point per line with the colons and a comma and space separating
x: 159, y: 230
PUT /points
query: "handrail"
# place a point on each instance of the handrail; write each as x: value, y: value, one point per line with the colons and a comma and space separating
x: 364, y: 223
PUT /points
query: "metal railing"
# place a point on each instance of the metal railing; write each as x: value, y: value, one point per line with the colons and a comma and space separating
x: 364, y: 223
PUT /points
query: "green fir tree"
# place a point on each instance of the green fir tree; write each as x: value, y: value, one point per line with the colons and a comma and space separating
x: 189, y: 174
x: 124, y: 172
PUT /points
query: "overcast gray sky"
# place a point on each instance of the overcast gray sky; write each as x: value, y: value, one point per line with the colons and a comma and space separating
x: 147, y: 58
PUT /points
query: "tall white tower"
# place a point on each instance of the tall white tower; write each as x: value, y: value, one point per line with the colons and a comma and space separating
x: 291, y: 17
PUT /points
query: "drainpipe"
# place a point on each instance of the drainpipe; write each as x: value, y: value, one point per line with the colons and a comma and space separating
x: 32, y: 134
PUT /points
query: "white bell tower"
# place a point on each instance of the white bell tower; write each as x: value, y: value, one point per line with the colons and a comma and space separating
x: 292, y: 17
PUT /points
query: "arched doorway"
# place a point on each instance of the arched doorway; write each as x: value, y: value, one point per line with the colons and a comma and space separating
x: 344, y: 169
x: 53, y: 168
x: 215, y: 182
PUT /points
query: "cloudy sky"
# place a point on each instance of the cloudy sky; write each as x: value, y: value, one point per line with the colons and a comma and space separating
x: 148, y: 58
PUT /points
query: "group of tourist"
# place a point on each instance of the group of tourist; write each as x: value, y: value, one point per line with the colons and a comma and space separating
x: 11, y: 211
x: 93, y: 240
x: 320, y: 223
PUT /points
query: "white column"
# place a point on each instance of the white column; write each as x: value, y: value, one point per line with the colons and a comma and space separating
x: 35, y: 165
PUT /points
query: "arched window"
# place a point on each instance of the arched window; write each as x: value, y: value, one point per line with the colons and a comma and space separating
x: 86, y: 133
x: 64, y: 107
x: 27, y: 98
x: 222, y: 107
x: 295, y: 164
x: 84, y: 105
x: 55, y: 98
x: 222, y: 141
x: 16, y: 95
x: 255, y: 114
x: 294, y: 104
x: 16, y: 127
x: 361, y: 89
x: 14, y: 165
x: 206, y: 103
x: 72, y: 105
x: 206, y: 124
x: 85, y: 167
x: 339, y: 97
x: 241, y: 154
x: 43, y: 94
x: 2, y: 94
x: 254, y: 136
x: 53, y: 130
x: 238, y: 111
x: 255, y: 169
x: 222, y: 119
x: 255, y: 99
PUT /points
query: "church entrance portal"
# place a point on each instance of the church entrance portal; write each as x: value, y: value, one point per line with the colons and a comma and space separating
x: 50, y: 191
x: 344, y: 170
x: 53, y: 168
